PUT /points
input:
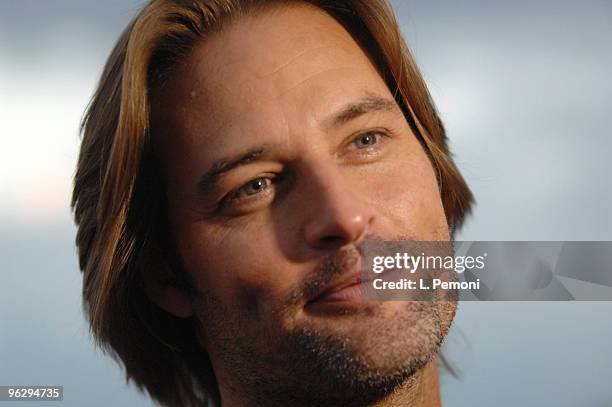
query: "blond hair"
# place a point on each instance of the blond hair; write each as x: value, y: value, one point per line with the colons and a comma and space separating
x: 119, y: 203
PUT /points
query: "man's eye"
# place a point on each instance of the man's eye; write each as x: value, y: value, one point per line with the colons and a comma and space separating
x: 367, y: 146
x: 250, y: 196
x: 366, y: 140
x: 253, y: 187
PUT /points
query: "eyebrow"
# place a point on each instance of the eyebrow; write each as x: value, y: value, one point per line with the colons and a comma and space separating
x: 211, y: 177
x: 368, y: 104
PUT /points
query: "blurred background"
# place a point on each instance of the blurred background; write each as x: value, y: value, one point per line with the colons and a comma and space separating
x: 525, y: 92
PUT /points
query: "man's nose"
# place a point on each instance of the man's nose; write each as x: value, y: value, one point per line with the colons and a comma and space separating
x: 339, y: 213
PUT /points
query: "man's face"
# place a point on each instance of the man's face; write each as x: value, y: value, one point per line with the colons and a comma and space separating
x: 282, y: 150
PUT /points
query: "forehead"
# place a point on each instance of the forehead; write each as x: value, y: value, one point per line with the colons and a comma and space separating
x: 267, y: 72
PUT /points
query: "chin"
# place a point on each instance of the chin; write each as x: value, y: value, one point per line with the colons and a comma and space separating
x: 367, y: 354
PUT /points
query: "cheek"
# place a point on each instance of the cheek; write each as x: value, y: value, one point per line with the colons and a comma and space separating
x: 408, y: 194
x: 243, y: 268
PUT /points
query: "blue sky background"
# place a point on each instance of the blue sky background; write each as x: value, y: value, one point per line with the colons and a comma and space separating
x: 525, y: 92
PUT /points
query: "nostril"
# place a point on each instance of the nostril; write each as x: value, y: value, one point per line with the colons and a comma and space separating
x: 332, y: 241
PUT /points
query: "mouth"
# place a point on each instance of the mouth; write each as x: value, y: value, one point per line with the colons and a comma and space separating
x: 344, y: 293
x: 348, y: 289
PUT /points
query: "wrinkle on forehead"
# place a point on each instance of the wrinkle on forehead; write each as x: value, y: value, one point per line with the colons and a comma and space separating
x: 261, y: 79
x: 266, y: 102
x: 293, y: 59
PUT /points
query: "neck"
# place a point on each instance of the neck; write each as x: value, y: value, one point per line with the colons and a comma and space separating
x: 421, y: 390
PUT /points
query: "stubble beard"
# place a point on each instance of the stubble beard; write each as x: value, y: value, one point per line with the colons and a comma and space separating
x: 318, y: 366
x: 352, y: 369
x: 315, y: 363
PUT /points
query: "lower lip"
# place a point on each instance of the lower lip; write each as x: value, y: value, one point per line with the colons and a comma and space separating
x: 349, y: 297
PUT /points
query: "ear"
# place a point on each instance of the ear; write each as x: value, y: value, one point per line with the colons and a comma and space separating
x: 170, y: 299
